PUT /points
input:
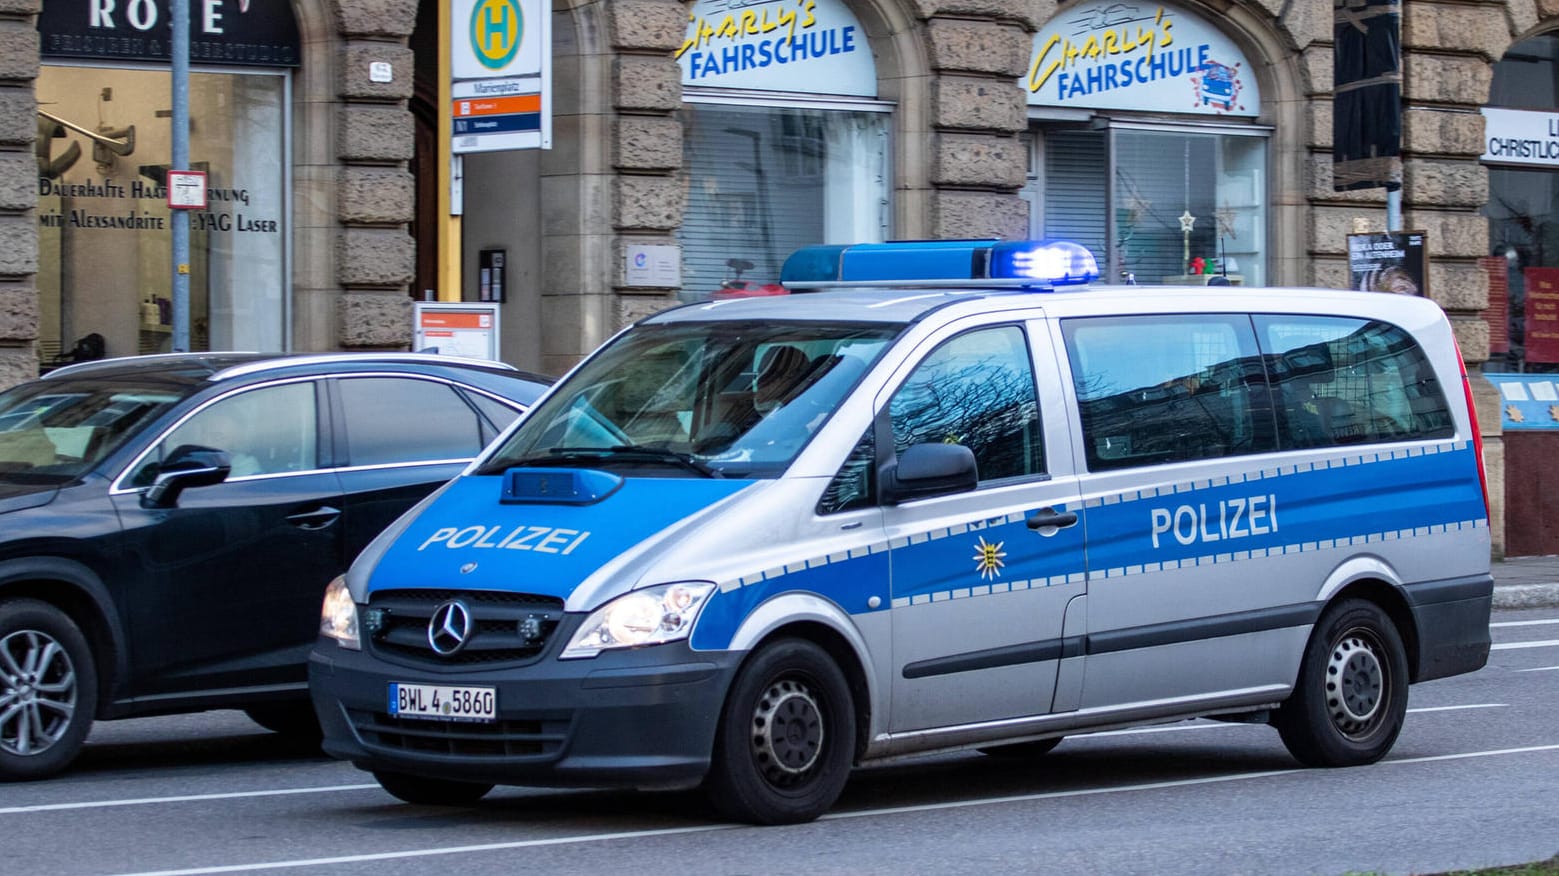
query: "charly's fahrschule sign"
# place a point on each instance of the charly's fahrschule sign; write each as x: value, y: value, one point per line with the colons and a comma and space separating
x: 255, y: 33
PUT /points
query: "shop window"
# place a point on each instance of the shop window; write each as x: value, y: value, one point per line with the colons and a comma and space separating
x: 1181, y: 206
x: 764, y: 181
x: 105, y: 235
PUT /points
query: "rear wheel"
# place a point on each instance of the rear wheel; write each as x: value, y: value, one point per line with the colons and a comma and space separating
x: 48, y: 689
x: 431, y: 792
x: 1037, y: 748
x: 1351, y: 697
x: 786, y: 737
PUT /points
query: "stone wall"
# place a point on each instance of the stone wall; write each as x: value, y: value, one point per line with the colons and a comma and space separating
x: 18, y: 192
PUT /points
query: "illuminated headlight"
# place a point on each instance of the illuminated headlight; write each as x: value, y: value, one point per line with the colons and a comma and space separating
x: 338, y: 616
x: 644, y: 617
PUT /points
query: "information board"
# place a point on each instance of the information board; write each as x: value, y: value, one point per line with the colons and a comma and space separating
x: 457, y: 329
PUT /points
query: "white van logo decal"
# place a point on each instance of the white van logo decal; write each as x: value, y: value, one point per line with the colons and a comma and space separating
x: 988, y: 558
x: 1239, y: 517
x: 542, y: 539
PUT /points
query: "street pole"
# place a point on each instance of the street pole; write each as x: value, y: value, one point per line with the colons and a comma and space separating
x: 180, y: 161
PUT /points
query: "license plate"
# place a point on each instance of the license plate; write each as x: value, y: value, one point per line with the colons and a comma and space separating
x: 443, y: 703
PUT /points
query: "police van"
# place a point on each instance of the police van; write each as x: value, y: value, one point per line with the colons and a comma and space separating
x: 951, y: 501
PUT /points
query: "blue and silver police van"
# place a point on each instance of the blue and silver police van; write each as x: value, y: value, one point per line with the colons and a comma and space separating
x: 948, y: 500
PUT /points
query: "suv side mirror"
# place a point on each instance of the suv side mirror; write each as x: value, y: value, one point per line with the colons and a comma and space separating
x: 925, y: 470
x: 189, y: 465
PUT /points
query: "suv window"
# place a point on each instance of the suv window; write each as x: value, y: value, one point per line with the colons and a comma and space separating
x: 1168, y: 388
x: 976, y: 390
x: 402, y: 419
x: 271, y: 430
x: 1350, y: 381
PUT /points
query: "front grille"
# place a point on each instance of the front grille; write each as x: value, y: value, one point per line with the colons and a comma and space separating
x: 506, y: 627
x: 467, y: 739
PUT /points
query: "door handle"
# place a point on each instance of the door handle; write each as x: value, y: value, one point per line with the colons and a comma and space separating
x: 318, y: 518
x: 1047, y: 518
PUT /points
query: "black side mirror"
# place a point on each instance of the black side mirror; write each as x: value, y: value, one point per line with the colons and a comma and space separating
x: 189, y: 465
x: 925, y: 470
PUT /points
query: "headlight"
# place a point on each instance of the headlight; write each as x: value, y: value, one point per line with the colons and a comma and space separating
x: 644, y: 617
x: 338, y: 616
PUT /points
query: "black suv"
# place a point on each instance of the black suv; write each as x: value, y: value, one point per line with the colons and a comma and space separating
x: 168, y: 524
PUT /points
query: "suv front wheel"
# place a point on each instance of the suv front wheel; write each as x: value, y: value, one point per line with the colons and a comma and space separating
x: 48, y: 689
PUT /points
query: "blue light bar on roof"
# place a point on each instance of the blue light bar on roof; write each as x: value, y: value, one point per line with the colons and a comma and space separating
x: 950, y: 262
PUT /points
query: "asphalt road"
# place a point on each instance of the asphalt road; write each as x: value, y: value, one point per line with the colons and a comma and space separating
x: 1472, y: 782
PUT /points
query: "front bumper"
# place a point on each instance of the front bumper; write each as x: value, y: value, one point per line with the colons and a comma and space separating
x: 641, y: 718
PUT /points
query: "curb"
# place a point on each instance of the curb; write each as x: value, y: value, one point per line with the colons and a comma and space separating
x: 1526, y: 596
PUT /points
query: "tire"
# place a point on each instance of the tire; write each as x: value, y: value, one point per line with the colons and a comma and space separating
x: 431, y: 792
x: 293, y: 720
x: 786, y: 738
x: 48, y: 690
x: 1037, y: 748
x: 1351, y: 697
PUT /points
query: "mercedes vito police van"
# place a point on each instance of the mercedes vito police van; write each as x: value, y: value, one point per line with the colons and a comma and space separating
x: 750, y: 543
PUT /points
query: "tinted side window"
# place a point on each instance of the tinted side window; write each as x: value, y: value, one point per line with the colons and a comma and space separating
x: 976, y: 390
x: 1351, y: 381
x: 401, y: 419
x: 1156, y: 389
x: 497, y: 414
x: 272, y: 430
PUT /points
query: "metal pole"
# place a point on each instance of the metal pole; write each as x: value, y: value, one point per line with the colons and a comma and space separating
x: 180, y: 161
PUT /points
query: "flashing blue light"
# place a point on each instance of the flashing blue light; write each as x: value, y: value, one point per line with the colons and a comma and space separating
x: 950, y: 262
x: 1058, y: 262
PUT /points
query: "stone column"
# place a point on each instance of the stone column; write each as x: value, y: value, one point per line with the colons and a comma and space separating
x: 18, y: 192
x: 978, y: 53
x: 375, y: 254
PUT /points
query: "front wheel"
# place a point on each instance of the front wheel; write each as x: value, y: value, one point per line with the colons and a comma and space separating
x: 786, y: 737
x: 48, y: 689
x: 431, y: 792
x: 1351, y: 697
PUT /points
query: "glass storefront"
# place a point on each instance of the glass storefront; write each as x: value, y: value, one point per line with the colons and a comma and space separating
x: 105, y: 250
x: 765, y: 181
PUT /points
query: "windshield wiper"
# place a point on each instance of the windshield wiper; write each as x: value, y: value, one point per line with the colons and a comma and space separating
x: 626, y: 452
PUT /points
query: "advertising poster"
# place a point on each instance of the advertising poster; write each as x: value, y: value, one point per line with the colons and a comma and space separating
x: 1542, y: 314
x: 1388, y: 261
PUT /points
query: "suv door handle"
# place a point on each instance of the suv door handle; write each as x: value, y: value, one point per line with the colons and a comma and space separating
x: 1048, y: 517
x: 318, y: 518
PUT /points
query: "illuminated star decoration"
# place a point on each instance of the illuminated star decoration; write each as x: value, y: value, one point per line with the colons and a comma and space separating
x: 1514, y: 413
x: 1187, y: 222
x: 988, y: 558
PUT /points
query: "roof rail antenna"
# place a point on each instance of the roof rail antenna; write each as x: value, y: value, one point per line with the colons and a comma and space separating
x: 1039, y: 265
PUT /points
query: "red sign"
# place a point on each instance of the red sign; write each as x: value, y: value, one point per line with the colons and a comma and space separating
x: 1542, y: 313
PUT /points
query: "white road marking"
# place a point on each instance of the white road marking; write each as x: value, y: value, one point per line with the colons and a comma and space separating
x: 835, y: 816
x: 187, y: 798
x: 1525, y: 623
x: 1539, y: 669
x: 1507, y: 646
x: 1458, y: 708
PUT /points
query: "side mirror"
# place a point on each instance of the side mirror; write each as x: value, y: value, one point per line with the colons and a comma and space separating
x: 189, y: 465
x: 925, y: 470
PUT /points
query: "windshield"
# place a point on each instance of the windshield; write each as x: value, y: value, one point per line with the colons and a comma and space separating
x: 715, y: 399
x: 54, y: 430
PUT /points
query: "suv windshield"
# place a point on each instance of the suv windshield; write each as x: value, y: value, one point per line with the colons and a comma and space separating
x: 54, y: 430
x: 712, y: 399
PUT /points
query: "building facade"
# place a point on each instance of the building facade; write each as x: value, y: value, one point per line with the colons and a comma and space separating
x: 1180, y: 140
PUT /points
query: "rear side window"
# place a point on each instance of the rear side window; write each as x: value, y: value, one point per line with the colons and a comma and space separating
x: 1350, y: 381
x: 1156, y: 389
x: 396, y: 419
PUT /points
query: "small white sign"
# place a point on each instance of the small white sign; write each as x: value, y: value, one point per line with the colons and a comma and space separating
x: 1529, y: 137
x: 381, y: 71
x: 186, y: 189
x: 651, y: 266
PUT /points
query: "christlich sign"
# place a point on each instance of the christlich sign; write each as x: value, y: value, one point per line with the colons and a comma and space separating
x: 1139, y: 57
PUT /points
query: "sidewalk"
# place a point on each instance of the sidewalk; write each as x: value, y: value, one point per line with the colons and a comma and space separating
x: 1526, y: 582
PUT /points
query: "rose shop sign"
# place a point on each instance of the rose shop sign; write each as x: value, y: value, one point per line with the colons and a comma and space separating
x: 255, y: 33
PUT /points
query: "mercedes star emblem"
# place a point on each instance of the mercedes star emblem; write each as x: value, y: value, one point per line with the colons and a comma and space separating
x: 449, y: 628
